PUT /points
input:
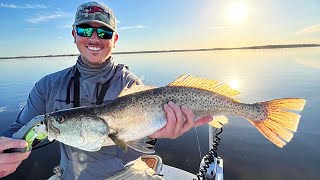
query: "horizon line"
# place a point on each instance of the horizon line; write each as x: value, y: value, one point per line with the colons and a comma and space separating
x: 272, y: 46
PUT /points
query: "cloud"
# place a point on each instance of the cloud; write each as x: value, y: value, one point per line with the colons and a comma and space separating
x: 310, y: 29
x: 132, y: 27
x: 42, y: 18
x: 66, y: 26
x: 25, y: 6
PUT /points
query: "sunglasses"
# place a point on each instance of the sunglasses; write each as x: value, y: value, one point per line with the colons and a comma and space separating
x: 86, y: 30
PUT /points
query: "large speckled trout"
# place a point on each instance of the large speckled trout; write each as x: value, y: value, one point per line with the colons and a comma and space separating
x: 138, y: 112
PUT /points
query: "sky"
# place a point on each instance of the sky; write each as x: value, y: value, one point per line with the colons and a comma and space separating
x: 44, y: 27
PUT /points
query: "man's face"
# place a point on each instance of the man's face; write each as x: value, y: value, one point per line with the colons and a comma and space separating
x: 94, y: 50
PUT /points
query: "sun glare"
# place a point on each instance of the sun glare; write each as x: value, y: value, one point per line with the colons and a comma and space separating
x: 234, y: 84
x: 237, y: 12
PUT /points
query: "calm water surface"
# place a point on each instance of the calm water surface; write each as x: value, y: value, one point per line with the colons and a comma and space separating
x: 258, y: 74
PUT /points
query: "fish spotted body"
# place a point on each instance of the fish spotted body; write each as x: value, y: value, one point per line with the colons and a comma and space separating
x: 138, y: 113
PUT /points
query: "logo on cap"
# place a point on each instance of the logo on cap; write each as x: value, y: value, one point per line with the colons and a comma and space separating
x: 94, y: 9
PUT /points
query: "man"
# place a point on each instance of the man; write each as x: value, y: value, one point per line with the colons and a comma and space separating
x: 93, y: 80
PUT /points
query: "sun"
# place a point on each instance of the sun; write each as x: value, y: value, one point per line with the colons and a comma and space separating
x: 234, y: 84
x: 237, y: 12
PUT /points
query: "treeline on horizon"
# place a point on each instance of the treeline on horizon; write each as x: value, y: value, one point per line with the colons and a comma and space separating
x: 282, y: 46
x: 275, y: 46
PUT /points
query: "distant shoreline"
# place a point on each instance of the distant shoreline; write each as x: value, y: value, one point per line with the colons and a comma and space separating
x: 182, y: 50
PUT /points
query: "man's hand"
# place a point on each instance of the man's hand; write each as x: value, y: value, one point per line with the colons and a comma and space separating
x: 179, y: 121
x: 10, y: 161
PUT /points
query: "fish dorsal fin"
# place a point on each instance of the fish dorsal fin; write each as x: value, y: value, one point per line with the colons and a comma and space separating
x: 135, y: 88
x: 204, y: 84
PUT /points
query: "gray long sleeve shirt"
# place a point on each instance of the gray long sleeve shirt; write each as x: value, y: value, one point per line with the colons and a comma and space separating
x: 50, y: 93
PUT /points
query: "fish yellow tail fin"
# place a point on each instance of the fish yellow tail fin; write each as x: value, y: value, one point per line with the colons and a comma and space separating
x: 280, y: 124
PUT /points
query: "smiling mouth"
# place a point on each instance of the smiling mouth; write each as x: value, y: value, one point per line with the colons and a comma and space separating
x: 94, y: 48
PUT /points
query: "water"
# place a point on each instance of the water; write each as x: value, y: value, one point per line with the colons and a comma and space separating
x: 258, y: 74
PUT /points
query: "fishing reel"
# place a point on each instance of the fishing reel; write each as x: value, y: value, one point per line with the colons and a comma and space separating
x: 211, y: 166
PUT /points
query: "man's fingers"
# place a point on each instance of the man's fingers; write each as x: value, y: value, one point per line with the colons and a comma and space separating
x: 180, y: 119
x: 204, y: 120
x: 171, y: 123
x: 10, y: 161
x: 10, y: 166
x: 6, y: 173
x: 3, y: 173
x: 169, y: 127
x: 13, y: 157
x: 189, y: 119
x: 8, y: 143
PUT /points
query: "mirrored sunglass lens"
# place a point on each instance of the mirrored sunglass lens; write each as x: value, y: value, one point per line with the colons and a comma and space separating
x: 84, y: 32
x: 104, y: 34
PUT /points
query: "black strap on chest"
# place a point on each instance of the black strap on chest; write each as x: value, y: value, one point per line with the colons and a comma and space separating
x: 76, y: 88
x: 104, y: 88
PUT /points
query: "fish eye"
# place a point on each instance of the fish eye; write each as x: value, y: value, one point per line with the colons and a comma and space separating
x: 60, y: 119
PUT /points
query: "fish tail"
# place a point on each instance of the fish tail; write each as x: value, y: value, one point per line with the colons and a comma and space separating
x: 280, y: 123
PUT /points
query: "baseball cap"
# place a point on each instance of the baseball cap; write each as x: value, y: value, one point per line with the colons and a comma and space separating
x: 95, y: 12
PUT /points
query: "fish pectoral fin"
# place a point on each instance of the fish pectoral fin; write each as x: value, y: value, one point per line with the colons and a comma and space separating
x: 218, y: 121
x: 140, y: 146
x: 119, y: 142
